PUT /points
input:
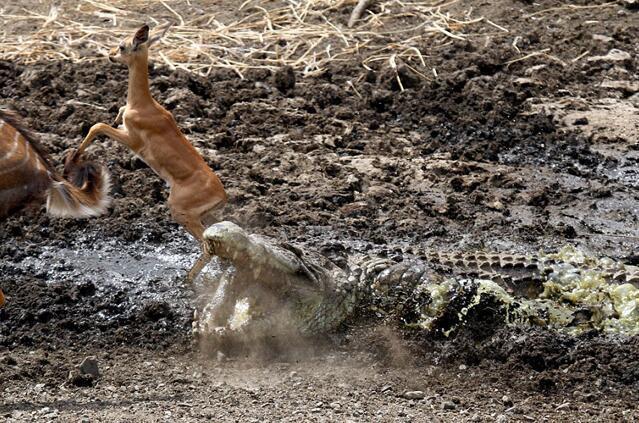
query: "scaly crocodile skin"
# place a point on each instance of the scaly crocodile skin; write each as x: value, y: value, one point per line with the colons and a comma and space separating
x: 318, y: 296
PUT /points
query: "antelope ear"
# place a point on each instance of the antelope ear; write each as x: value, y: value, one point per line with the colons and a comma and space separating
x: 141, y: 36
x: 159, y: 31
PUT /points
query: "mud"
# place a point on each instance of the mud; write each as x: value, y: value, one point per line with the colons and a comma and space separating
x: 489, y: 155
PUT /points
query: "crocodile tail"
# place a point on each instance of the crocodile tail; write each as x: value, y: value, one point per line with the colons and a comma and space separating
x: 83, y: 192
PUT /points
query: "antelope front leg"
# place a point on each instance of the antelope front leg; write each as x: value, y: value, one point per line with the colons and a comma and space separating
x: 119, y: 135
x: 118, y: 118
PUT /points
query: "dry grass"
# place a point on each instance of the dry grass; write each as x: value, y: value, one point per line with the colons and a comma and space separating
x: 305, y: 34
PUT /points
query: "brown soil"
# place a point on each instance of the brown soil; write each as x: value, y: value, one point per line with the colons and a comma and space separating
x: 487, y: 156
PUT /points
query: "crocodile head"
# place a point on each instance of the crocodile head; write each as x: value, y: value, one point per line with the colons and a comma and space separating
x: 269, y: 262
x: 279, y: 280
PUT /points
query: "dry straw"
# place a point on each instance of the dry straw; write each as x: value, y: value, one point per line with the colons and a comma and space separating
x: 266, y: 34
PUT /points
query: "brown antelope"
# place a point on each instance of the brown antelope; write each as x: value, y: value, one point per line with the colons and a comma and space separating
x: 27, y: 177
x: 150, y: 131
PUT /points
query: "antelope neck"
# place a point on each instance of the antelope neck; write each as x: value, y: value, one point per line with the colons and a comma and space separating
x: 138, y: 92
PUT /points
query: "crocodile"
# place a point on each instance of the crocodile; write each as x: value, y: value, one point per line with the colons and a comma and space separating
x: 266, y: 284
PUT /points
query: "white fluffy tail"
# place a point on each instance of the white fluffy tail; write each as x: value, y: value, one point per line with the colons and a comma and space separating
x: 90, y: 198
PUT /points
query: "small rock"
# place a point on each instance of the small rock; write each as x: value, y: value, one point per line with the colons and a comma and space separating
x: 502, y: 418
x: 89, y: 366
x: 602, y: 38
x: 284, y: 79
x: 414, y: 395
x: 631, y: 4
x: 386, y: 388
x: 507, y: 401
x: 463, y: 367
x: 581, y: 121
x: 496, y: 205
x: 613, y: 56
x: 527, y: 82
x: 448, y: 405
x: 335, y: 405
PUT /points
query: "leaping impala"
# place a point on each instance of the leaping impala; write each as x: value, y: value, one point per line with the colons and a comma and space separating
x: 150, y: 131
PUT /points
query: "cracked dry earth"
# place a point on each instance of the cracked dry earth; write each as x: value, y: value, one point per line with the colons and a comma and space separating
x: 522, y: 157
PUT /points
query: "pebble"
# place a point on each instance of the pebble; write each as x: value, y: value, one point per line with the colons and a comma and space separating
x: 448, y: 405
x: 602, y: 38
x: 89, y: 366
x: 284, y: 79
x: 614, y: 55
x: 414, y: 395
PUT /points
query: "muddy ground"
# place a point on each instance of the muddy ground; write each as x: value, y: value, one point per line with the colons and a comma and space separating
x: 525, y: 156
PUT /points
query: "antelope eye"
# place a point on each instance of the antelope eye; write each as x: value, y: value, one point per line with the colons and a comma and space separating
x: 121, y: 47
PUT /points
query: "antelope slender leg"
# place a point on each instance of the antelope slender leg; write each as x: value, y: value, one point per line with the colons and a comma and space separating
x: 98, y: 129
x: 118, y: 118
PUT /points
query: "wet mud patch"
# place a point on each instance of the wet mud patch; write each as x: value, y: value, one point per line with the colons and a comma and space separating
x: 97, y: 294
